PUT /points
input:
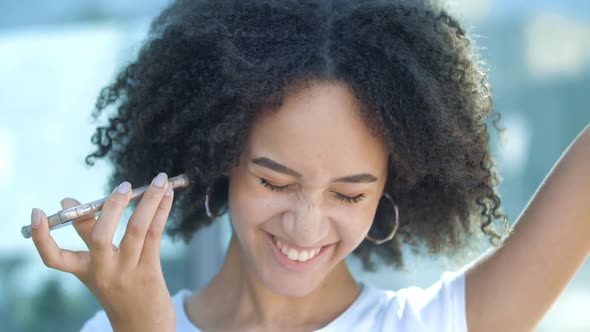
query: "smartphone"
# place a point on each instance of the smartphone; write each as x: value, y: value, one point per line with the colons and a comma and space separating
x: 66, y: 217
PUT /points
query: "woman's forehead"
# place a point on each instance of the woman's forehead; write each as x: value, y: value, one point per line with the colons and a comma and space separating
x: 318, y: 126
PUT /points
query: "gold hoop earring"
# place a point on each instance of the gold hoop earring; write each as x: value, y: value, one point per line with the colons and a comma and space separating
x: 220, y: 185
x: 395, y: 227
x: 207, y: 210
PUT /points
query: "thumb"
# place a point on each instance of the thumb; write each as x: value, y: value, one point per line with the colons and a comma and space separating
x: 38, y: 221
x: 40, y: 231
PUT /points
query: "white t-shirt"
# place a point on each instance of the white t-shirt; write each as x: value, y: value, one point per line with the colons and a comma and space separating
x: 440, y: 307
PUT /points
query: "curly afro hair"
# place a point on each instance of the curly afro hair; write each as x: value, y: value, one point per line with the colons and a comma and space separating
x: 206, y: 69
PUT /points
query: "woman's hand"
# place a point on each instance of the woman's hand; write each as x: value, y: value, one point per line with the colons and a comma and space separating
x: 127, y: 281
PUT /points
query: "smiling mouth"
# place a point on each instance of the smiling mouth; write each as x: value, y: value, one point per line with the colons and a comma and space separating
x: 294, y: 254
x: 296, y: 257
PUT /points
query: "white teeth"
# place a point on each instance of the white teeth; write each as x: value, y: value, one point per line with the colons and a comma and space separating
x: 302, y: 256
x: 292, y: 254
x: 295, y: 255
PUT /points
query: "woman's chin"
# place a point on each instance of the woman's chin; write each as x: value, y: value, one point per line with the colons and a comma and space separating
x: 298, y: 288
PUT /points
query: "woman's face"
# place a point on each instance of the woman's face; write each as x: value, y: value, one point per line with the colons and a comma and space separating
x: 310, y: 176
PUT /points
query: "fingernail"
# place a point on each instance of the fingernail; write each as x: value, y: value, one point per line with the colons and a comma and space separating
x: 124, y: 187
x: 35, y: 217
x: 65, y: 199
x: 168, y: 191
x: 160, y: 179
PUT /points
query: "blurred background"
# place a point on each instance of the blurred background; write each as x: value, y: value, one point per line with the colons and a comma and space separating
x: 56, y: 55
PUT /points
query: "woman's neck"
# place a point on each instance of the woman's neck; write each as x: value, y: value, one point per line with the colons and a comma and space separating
x: 236, y: 299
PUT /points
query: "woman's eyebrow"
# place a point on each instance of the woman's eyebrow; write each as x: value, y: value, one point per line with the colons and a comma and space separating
x: 269, y: 163
x: 357, y: 178
x: 277, y: 167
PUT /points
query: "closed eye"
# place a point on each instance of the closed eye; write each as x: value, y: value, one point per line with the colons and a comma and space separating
x: 348, y: 199
x: 275, y: 188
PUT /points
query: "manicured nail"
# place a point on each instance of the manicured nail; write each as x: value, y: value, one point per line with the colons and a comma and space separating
x: 160, y: 179
x: 124, y: 187
x: 168, y: 191
x: 35, y: 217
x: 66, y: 199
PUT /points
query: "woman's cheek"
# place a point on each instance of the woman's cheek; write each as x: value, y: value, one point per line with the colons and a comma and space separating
x: 263, y: 208
x: 353, y: 225
x: 354, y: 221
x: 253, y: 205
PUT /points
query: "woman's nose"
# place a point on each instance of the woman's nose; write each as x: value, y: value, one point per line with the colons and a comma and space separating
x: 305, y: 222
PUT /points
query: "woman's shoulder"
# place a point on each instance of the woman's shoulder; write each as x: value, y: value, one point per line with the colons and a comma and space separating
x: 449, y: 287
x: 99, y: 322
x: 438, y: 307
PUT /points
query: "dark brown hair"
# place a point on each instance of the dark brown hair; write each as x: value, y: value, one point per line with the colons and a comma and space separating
x: 207, y: 68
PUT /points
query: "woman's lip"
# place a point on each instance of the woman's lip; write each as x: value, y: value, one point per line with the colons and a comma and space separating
x: 294, y: 265
x: 298, y: 248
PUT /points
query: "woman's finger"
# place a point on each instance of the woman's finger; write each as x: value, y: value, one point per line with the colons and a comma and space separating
x: 132, y: 243
x: 82, y: 225
x: 75, y: 262
x: 151, y: 248
x: 100, y: 240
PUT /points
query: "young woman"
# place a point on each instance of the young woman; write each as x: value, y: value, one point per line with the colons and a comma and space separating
x: 323, y: 128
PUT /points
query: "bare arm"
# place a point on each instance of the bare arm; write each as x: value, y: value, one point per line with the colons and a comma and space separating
x: 513, y: 287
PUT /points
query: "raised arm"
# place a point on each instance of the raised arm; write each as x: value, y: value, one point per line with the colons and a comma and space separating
x: 511, y: 288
